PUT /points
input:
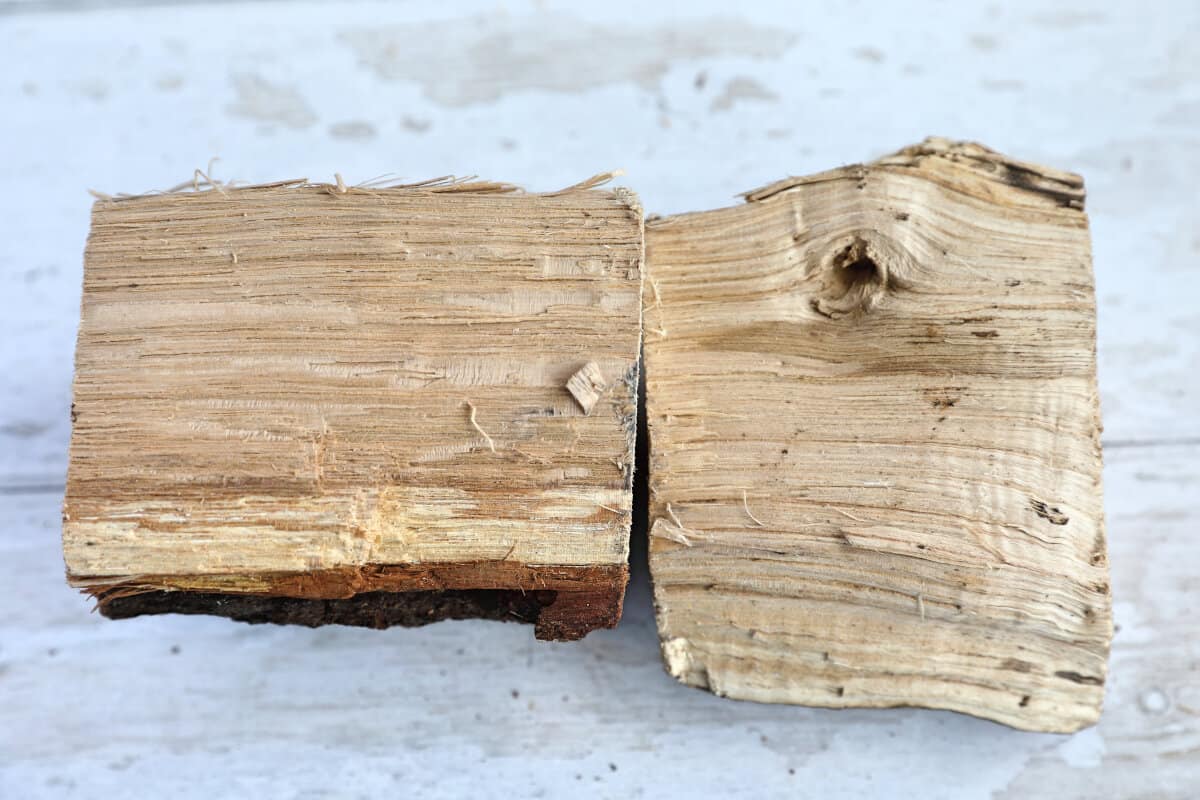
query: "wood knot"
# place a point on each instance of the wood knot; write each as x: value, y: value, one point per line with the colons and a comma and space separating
x: 856, y: 273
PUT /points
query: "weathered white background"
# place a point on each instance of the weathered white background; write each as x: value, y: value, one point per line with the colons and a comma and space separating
x: 698, y: 101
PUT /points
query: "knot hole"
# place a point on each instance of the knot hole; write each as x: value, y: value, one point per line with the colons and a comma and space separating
x: 854, y: 276
x: 855, y: 270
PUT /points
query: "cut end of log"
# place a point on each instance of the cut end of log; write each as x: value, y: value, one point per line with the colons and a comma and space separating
x: 926, y: 527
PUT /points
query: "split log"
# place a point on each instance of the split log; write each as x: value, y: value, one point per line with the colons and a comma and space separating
x: 875, y: 457
x: 314, y: 403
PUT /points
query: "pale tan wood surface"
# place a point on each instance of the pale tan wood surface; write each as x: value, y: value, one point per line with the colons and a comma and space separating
x: 875, y: 457
x: 291, y: 389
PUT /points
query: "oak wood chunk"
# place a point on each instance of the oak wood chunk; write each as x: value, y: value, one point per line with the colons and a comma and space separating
x: 311, y: 403
x: 875, y: 457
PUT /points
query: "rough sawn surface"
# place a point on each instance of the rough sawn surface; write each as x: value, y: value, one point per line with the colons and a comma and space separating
x: 318, y: 392
x: 875, y: 460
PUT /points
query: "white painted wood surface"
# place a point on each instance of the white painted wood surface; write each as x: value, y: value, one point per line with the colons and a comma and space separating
x: 697, y: 102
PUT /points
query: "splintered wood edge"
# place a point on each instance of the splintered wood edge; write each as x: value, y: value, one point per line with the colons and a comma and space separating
x: 202, y: 184
x: 939, y: 156
x: 983, y: 175
x: 571, y: 600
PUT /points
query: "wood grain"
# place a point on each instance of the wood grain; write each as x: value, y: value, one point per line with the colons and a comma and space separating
x: 313, y: 391
x: 875, y: 460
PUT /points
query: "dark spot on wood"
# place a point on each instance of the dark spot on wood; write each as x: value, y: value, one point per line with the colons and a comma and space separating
x: 1032, y: 181
x: 815, y: 305
x: 858, y: 271
x: 943, y: 396
x: 841, y: 691
x: 1012, y: 282
x: 1049, y: 513
x: 1017, y: 665
x: 1075, y: 677
x: 902, y: 216
x: 1024, y: 701
x: 985, y: 334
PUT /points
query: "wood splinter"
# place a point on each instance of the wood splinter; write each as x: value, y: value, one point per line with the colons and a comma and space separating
x: 587, y: 386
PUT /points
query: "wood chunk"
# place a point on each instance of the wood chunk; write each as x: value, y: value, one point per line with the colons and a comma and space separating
x: 875, y: 460
x: 318, y: 403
